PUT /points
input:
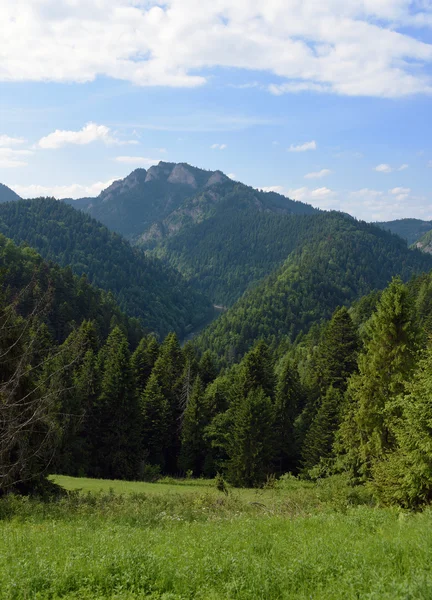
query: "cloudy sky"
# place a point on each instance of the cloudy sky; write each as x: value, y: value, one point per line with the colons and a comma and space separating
x: 328, y: 102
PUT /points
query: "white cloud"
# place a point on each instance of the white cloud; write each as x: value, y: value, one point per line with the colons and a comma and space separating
x: 400, y: 193
x: 10, y: 158
x: 318, y: 174
x: 430, y: 164
x: 74, y: 190
x: 346, y: 47
x: 279, y: 189
x: 137, y: 160
x: 6, y: 140
x: 303, y: 147
x: 92, y: 132
x: 385, y: 168
x: 232, y: 176
x: 218, y: 146
x: 367, y: 204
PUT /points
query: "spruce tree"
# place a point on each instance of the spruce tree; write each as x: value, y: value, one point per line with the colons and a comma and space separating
x: 155, y: 422
x: 168, y: 370
x: 319, y: 439
x: 257, y: 371
x: 390, y: 352
x: 117, y: 444
x: 404, y: 476
x: 207, y: 368
x: 287, y: 403
x: 251, y: 444
x: 195, y: 419
x: 143, y: 361
x: 337, y: 352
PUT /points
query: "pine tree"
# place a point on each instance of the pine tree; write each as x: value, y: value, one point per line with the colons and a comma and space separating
x: 287, y: 404
x: 195, y: 419
x: 251, y: 444
x: 143, y: 361
x: 404, y: 476
x: 168, y: 370
x: 256, y: 371
x: 319, y: 439
x: 366, y: 433
x: 155, y: 422
x: 117, y: 444
x: 337, y: 352
x: 207, y: 368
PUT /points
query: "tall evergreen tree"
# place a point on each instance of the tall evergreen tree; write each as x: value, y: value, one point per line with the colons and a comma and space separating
x: 251, y: 446
x: 143, y: 360
x: 168, y: 371
x: 117, y: 445
x: 257, y: 371
x: 155, y: 422
x: 337, y: 352
x: 387, y: 362
x: 287, y: 404
x: 319, y: 439
x: 195, y: 419
x: 404, y: 476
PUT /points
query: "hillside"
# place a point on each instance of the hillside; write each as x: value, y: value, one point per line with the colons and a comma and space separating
x: 160, y: 201
x: 143, y: 286
x: 7, y: 195
x: 410, y: 230
x: 342, y: 260
x: 425, y: 242
x: 68, y: 299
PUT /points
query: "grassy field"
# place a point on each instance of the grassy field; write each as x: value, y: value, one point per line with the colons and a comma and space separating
x: 186, y: 540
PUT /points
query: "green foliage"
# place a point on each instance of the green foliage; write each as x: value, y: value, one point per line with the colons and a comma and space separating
x: 142, y: 286
x: 116, y: 444
x: 386, y: 363
x: 194, y: 420
x: 251, y: 446
x: 404, y: 476
x: 155, y: 413
x: 342, y: 260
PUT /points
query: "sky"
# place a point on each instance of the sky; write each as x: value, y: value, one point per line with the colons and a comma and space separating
x: 327, y: 102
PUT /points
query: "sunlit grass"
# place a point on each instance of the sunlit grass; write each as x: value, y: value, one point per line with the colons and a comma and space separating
x: 296, y: 541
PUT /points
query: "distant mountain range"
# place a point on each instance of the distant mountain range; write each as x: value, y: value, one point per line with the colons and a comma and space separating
x: 410, y: 230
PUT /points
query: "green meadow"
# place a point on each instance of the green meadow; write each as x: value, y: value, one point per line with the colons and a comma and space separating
x: 185, y: 539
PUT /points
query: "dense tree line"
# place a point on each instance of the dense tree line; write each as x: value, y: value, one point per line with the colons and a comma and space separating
x: 142, y: 286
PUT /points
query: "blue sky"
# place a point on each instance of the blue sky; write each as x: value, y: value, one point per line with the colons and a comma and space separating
x: 329, y: 103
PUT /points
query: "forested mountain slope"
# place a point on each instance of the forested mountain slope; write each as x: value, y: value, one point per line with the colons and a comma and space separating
x: 342, y: 260
x: 425, y: 242
x: 6, y: 194
x: 66, y: 299
x: 410, y: 230
x: 143, y: 286
x: 237, y: 245
x: 160, y: 201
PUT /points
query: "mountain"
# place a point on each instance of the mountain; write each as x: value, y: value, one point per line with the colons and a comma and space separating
x: 410, y: 230
x: 143, y: 286
x: 235, y: 248
x: 6, y: 194
x: 341, y: 260
x: 152, y: 204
